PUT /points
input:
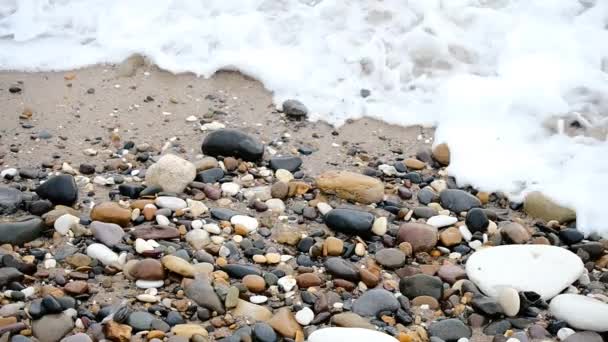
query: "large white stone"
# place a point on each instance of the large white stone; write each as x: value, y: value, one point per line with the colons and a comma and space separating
x: 65, y: 222
x: 546, y: 270
x: 441, y: 221
x: 580, y: 312
x: 251, y: 223
x: 170, y: 202
x: 349, y: 334
x: 102, y: 253
x: 171, y: 172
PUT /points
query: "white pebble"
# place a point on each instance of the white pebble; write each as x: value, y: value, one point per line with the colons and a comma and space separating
x: 324, y: 208
x: 196, y: 224
x: 162, y: 220
x: 230, y: 189
x: 102, y: 253
x: 305, y: 316
x: 212, y: 228
x: 465, y: 232
x: 224, y: 251
x: 250, y: 223
x: 147, y: 298
x: 170, y: 202
x: 380, y: 226
x: 12, y: 172
x: 148, y: 284
x: 564, y: 333
x: 258, y: 299
x: 440, y: 221
x: 64, y: 223
x: 287, y: 283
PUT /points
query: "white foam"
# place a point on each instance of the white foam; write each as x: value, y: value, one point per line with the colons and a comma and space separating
x: 489, y: 73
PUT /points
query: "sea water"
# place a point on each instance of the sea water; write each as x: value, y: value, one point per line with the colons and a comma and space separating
x: 494, y: 76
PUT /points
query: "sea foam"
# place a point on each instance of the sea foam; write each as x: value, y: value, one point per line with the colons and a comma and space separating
x: 488, y: 73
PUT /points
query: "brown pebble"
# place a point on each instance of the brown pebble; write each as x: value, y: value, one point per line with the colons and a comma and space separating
x: 254, y: 283
x: 307, y: 280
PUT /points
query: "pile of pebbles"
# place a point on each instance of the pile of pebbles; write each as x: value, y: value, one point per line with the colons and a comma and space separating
x: 241, y: 246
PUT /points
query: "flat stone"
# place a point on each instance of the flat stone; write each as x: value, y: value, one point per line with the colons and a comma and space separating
x: 252, y: 311
x: 289, y: 163
x: 390, y: 257
x: 440, y: 221
x: 351, y: 320
x: 148, y: 269
x: 210, y: 176
x: 458, y: 201
x: 351, y: 186
x: 349, y: 221
x: 170, y: 202
x: 8, y: 275
x: 102, y: 253
x: 110, y: 234
x: 341, y: 268
x: 10, y: 200
x: 546, y: 270
x: 178, y: 265
x: 374, y: 301
x: 263, y: 332
x: 232, y: 143
x: 52, y: 328
x: 140, y: 320
x: 421, y: 285
x: 21, y: 231
x: 542, y: 207
x: 239, y: 271
x: 580, y: 312
x: 155, y: 233
x: 284, y: 322
x: 450, y: 330
x: 441, y: 154
x: 584, y: 336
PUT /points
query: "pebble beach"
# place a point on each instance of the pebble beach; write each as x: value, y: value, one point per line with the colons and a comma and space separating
x: 138, y: 205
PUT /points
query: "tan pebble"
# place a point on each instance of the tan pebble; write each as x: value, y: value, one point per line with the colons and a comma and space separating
x: 360, y: 249
x: 260, y: 259
x: 441, y: 153
x: 406, y: 248
x: 333, y: 246
x: 239, y: 229
x: 273, y: 258
x: 221, y: 262
x: 254, y: 283
x: 414, y: 164
x: 484, y: 197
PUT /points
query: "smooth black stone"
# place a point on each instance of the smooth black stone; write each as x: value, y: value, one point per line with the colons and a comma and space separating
x: 150, y: 190
x: 403, y: 317
x: 289, y: 163
x: 458, y: 200
x: 305, y: 150
x: 239, y: 271
x: 320, y: 318
x: 86, y: 169
x: 404, y: 193
x: 14, y: 90
x: 477, y: 220
x: 341, y: 268
x: 349, y: 221
x: 426, y: 195
x: 263, y: 332
x: 305, y: 244
x: 130, y: 190
x: 308, y: 297
x: 140, y: 320
x: 173, y: 318
x: 415, y: 177
x: 571, y: 236
x: 20, y: 232
x: 10, y: 200
x: 67, y: 302
x: 210, y: 176
x: 40, y: 207
x: 487, y: 306
x: 304, y: 260
x: 203, y: 313
x: 270, y: 278
x: 29, y: 173
x: 595, y: 249
x: 60, y: 189
x: 462, y: 249
x: 250, y: 252
x: 424, y: 212
x: 16, y: 295
x: 421, y: 285
x: 450, y: 330
x: 51, y: 305
x: 497, y: 328
x: 232, y: 143
x: 223, y: 214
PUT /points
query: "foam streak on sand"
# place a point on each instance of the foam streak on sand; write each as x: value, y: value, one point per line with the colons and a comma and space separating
x: 488, y: 73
